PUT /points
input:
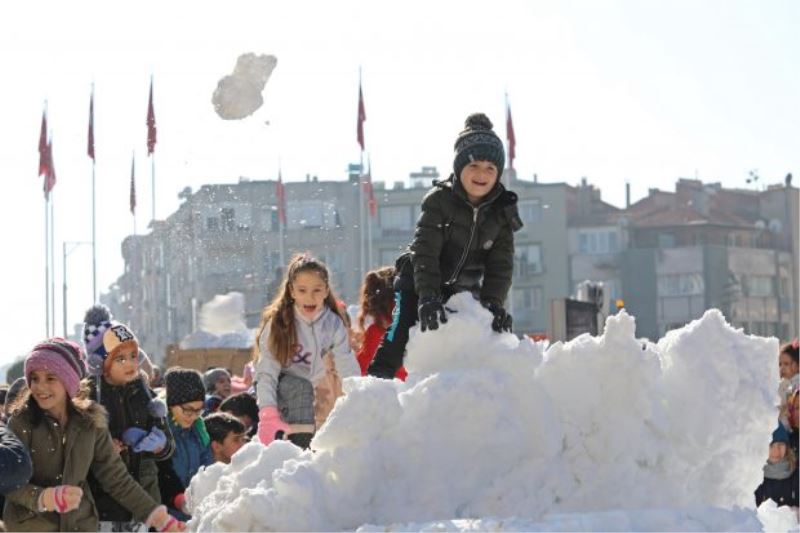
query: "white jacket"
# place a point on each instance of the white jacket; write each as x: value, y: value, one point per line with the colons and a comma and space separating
x: 325, y: 333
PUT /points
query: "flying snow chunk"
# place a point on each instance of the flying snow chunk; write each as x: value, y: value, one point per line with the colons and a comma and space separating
x: 239, y: 95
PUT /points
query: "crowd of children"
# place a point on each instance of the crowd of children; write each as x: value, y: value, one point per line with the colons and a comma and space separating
x: 99, y: 439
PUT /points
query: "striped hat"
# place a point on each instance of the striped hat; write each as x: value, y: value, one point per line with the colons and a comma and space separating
x: 103, y: 336
x: 61, y: 357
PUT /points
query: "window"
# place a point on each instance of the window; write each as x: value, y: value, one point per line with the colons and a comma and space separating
x: 680, y: 285
x: 311, y: 214
x: 212, y: 224
x: 530, y: 210
x: 228, y: 219
x: 597, y: 242
x: 666, y: 240
x: 396, y: 217
x: 528, y: 299
x: 529, y: 259
x: 758, y: 286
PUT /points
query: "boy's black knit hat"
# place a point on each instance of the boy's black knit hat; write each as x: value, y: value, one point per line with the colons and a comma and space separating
x: 478, y: 142
x: 183, y: 386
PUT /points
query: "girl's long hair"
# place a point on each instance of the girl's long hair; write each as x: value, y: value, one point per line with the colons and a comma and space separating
x: 376, y: 297
x: 26, y: 402
x: 279, y: 314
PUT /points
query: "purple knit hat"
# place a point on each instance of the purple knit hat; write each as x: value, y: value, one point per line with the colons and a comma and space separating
x: 63, y: 358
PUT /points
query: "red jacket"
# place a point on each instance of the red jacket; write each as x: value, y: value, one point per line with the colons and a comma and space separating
x: 372, y: 339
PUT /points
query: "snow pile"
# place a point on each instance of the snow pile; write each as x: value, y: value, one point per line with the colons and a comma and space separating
x: 222, y: 325
x: 239, y: 95
x: 489, y: 426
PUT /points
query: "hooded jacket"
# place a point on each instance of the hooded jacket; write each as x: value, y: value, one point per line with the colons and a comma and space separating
x: 66, y: 456
x: 461, y: 247
x: 325, y: 333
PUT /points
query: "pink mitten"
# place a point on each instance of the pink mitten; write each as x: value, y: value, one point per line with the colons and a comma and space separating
x: 61, y: 498
x: 269, y: 423
x: 161, y: 520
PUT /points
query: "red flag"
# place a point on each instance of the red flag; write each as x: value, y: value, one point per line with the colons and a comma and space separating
x: 43, y: 146
x: 362, y: 116
x: 151, y: 123
x: 90, y: 149
x: 369, y: 192
x: 512, y: 140
x: 133, y: 186
x: 50, y: 175
x: 280, y: 193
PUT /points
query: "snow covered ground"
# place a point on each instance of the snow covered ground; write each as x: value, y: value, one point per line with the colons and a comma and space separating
x: 495, y: 433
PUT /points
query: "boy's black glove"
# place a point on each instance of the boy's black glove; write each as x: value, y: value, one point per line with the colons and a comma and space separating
x: 502, y: 320
x: 431, y: 312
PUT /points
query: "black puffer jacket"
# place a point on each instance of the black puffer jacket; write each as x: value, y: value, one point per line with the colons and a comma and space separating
x: 129, y: 405
x: 461, y: 247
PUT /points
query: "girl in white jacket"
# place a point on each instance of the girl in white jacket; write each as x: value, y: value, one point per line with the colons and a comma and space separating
x: 300, y: 325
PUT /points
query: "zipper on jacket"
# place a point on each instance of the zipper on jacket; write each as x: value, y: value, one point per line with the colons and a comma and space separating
x: 461, y: 261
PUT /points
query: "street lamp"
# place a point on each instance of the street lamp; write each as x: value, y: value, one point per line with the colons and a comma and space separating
x: 74, y: 245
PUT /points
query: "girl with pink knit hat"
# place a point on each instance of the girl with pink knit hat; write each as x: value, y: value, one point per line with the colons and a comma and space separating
x: 67, y: 438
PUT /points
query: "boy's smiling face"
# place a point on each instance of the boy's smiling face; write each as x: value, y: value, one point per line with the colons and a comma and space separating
x: 478, y: 179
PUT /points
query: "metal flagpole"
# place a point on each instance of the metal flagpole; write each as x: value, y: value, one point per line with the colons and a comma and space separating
x: 369, y: 217
x: 153, y: 174
x: 52, y: 266
x: 361, y: 215
x: 47, y: 265
x: 94, y: 214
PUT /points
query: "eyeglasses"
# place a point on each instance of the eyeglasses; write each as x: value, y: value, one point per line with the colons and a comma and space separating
x: 121, y: 359
x: 189, y: 411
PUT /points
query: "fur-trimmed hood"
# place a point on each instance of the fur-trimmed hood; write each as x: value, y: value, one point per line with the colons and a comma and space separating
x: 90, y: 413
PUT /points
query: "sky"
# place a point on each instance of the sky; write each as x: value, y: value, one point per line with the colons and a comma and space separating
x: 507, y: 434
x: 614, y: 91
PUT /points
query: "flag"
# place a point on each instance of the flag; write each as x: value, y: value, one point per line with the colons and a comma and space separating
x: 362, y: 116
x: 50, y: 175
x: 280, y: 194
x: 512, y: 140
x: 43, y: 145
x: 369, y: 192
x: 90, y: 148
x: 133, y: 186
x: 151, y: 123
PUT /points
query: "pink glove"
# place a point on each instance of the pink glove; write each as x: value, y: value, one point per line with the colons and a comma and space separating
x: 161, y: 520
x: 61, y: 498
x: 269, y: 423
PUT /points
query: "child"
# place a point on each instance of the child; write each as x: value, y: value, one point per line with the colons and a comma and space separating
x: 780, y: 473
x: 464, y: 241
x: 789, y: 390
x: 244, y: 407
x: 67, y: 438
x: 185, y: 396
x: 218, y: 387
x: 136, y: 419
x: 15, y: 462
x: 302, y: 323
x: 227, y: 435
x: 376, y: 303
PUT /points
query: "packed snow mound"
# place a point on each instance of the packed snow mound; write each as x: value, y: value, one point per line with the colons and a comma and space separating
x: 222, y: 324
x: 239, y: 95
x: 488, y: 425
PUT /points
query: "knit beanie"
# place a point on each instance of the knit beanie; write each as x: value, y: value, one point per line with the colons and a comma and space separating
x: 478, y: 142
x: 103, y: 337
x: 60, y: 357
x: 184, y: 385
x: 780, y: 435
x: 211, y: 377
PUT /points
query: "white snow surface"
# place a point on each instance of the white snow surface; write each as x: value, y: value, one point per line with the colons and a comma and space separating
x: 490, y: 432
x: 222, y: 324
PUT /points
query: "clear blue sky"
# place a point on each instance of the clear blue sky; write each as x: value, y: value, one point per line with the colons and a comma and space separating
x: 645, y: 91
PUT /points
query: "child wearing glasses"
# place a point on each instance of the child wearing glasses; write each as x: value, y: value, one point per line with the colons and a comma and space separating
x: 136, y: 419
x: 185, y: 396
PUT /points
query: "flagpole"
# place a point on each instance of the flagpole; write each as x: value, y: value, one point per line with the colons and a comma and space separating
x: 360, y: 188
x: 281, y: 216
x: 510, y: 170
x: 52, y: 266
x: 94, y: 212
x: 153, y: 174
x: 47, y: 265
x: 369, y: 217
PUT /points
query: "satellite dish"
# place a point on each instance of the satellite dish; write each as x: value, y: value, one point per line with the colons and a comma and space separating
x: 775, y: 225
x: 760, y: 224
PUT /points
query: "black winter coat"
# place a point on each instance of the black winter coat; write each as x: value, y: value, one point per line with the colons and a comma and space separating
x: 460, y: 247
x: 128, y: 406
x: 781, y: 491
x: 15, y: 463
